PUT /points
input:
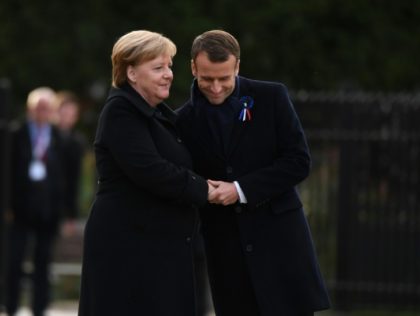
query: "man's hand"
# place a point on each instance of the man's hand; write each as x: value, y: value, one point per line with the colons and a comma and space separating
x: 210, y: 190
x: 224, y: 193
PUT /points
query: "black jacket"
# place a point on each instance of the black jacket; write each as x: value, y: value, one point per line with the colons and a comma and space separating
x: 36, y: 204
x: 138, y: 238
x: 268, y: 156
x: 74, y: 146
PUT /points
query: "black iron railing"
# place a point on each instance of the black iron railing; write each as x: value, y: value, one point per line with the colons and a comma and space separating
x: 4, y: 149
x: 363, y: 195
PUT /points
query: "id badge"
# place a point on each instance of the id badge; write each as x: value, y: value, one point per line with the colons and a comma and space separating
x: 37, y: 170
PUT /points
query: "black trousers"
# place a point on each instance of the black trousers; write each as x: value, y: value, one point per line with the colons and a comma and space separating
x: 232, y: 293
x: 19, y: 238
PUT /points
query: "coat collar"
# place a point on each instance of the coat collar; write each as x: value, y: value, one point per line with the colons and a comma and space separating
x: 197, y: 95
x: 242, y: 88
x: 161, y: 111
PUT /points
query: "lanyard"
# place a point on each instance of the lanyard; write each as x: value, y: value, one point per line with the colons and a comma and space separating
x: 41, y: 141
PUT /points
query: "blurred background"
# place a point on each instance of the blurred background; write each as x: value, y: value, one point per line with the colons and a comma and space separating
x: 352, y: 68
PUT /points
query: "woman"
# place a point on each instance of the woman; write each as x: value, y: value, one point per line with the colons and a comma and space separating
x: 138, y: 238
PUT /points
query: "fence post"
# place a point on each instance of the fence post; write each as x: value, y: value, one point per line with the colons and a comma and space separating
x: 4, y: 161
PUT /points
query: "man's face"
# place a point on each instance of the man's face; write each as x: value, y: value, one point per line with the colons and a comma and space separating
x: 215, y: 80
x: 68, y: 115
x: 41, y: 113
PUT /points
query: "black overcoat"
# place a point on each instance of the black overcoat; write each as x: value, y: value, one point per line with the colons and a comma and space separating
x: 138, y: 239
x: 36, y: 204
x: 268, y: 156
x: 74, y: 146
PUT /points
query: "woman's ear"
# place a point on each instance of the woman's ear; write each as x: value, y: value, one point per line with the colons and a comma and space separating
x: 131, y: 74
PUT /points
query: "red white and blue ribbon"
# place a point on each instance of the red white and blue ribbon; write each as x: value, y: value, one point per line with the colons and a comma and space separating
x: 247, y: 104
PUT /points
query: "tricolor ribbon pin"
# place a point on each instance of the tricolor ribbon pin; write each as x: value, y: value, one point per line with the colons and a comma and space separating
x: 247, y: 103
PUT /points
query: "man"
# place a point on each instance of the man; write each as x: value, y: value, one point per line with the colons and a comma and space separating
x: 245, y: 135
x: 36, y: 192
x: 74, y: 146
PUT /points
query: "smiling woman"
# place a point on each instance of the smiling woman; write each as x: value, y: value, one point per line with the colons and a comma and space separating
x: 142, y: 226
x: 152, y: 79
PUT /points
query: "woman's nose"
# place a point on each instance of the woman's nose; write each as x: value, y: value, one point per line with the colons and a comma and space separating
x: 168, y: 73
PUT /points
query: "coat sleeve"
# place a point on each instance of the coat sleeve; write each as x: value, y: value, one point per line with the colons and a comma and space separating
x: 291, y: 162
x: 130, y: 143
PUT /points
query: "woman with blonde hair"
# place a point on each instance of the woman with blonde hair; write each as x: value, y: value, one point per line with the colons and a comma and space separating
x: 140, y: 232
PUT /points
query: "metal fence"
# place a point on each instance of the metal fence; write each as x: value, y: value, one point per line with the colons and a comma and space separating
x: 363, y: 195
x: 4, y: 138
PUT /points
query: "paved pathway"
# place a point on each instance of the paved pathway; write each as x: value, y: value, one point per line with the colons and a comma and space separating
x: 57, y: 309
x: 60, y: 309
x: 50, y: 312
x: 70, y: 309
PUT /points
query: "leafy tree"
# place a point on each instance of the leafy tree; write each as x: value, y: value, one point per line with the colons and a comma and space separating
x: 312, y: 44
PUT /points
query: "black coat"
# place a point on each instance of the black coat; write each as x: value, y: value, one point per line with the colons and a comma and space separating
x: 74, y: 145
x: 36, y: 204
x: 138, y: 239
x: 268, y: 156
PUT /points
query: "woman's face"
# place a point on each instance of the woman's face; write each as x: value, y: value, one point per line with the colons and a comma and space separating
x: 152, y: 79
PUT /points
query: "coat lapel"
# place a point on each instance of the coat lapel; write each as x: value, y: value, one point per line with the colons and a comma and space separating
x: 203, y: 136
x: 165, y: 114
x: 162, y: 112
x: 240, y: 127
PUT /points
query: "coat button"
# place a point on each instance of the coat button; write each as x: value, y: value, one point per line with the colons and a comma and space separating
x: 179, y: 140
x: 229, y: 170
x: 238, y: 209
x: 249, y: 248
x: 188, y: 239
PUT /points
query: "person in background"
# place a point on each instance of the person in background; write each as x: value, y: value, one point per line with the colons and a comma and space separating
x: 139, y: 237
x: 74, y: 148
x: 246, y: 134
x: 36, y: 196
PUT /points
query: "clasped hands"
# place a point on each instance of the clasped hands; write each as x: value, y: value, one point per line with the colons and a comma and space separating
x: 221, y: 192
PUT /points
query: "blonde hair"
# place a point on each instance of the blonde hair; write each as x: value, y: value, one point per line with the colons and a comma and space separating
x: 40, y: 93
x: 136, y: 47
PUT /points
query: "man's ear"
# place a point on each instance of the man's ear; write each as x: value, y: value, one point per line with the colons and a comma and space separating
x: 237, y: 67
x: 193, y: 68
x: 131, y: 74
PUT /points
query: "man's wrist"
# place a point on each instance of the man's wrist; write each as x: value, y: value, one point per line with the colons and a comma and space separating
x: 242, y: 197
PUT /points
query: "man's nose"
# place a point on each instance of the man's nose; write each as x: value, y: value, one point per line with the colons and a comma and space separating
x: 216, y: 87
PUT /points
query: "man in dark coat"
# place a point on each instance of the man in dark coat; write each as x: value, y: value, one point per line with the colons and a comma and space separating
x: 74, y: 148
x: 246, y: 135
x: 36, y: 192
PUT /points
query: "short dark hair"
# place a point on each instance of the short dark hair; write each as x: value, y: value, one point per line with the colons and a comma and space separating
x: 218, y: 45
